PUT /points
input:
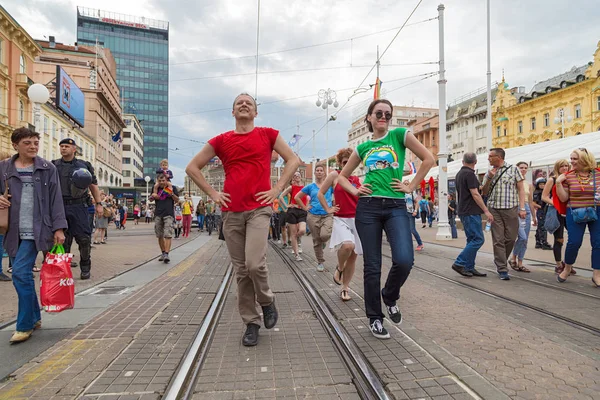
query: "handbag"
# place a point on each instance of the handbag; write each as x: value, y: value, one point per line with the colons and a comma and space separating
x: 551, y: 221
x: 57, y: 287
x: 4, y: 213
x: 106, y: 212
x: 584, y: 215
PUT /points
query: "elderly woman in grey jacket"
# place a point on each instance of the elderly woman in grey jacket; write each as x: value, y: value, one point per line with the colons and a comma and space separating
x: 37, y: 220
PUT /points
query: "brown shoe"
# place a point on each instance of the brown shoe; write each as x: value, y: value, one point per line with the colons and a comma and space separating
x: 37, y: 325
x: 19, y: 337
x: 559, y: 270
x: 573, y: 272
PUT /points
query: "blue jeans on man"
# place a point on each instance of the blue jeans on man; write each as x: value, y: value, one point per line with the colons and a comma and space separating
x: 22, y: 275
x: 413, y: 228
x: 475, y: 239
x: 452, y: 222
x: 523, y: 237
x: 373, y: 216
x: 576, y: 233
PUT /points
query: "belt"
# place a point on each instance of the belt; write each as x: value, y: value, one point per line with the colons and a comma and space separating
x: 75, y: 201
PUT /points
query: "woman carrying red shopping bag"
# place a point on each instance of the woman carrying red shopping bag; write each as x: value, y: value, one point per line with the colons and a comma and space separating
x: 36, y: 221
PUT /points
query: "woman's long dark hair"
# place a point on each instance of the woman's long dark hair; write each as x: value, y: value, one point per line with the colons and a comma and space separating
x: 372, y: 106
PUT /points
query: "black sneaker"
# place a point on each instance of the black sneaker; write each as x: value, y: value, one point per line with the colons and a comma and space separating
x: 85, y: 275
x: 477, y: 273
x: 251, y: 335
x: 162, y: 257
x: 270, y: 315
x: 394, y: 313
x: 538, y: 246
x: 546, y: 246
x: 74, y: 264
x: 461, y: 270
x: 166, y: 259
x: 378, y: 330
x: 4, y: 278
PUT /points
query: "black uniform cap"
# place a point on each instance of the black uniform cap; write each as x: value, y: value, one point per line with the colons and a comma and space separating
x: 68, y: 141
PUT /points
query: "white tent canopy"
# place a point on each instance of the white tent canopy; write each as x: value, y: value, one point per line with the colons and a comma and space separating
x: 536, y: 155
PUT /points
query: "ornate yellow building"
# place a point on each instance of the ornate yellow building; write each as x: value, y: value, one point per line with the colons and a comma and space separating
x: 521, y: 118
x: 17, y: 53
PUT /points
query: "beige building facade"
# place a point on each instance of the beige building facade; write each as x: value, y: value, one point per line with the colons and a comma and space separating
x: 133, y: 150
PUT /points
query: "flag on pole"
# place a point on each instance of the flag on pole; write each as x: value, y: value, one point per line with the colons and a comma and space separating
x: 413, y: 168
x: 294, y: 140
x: 377, y: 91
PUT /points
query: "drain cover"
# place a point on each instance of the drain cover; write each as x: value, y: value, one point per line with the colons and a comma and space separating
x: 111, y: 290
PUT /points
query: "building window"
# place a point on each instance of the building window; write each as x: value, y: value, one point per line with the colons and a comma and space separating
x: 598, y: 103
x: 577, y: 110
x: 533, y: 124
x: 520, y: 126
x: 1, y: 51
x: 504, y: 131
x: 21, y: 111
x: 498, y: 131
x: 53, y: 130
x: 547, y: 119
x: 22, y: 66
x: 45, y: 124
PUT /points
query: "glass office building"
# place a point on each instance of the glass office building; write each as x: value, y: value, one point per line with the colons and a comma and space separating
x: 141, y: 49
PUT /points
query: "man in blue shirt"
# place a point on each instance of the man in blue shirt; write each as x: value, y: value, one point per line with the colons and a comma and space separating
x: 319, y: 222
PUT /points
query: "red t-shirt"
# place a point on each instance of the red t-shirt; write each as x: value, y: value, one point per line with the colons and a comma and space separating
x: 295, y: 190
x: 345, y: 200
x: 246, y: 159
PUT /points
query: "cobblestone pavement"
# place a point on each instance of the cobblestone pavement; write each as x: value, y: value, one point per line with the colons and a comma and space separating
x: 125, y: 249
x: 521, y: 353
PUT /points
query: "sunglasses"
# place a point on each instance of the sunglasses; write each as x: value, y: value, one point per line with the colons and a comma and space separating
x: 380, y: 114
x: 583, y: 149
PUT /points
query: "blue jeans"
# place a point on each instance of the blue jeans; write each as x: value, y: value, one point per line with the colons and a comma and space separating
x: 576, y: 232
x: 413, y: 228
x: 430, y: 219
x: 373, y: 216
x: 452, y: 222
x: 475, y: 239
x: 200, y: 219
x: 1, y: 251
x: 22, y: 276
x: 523, y: 238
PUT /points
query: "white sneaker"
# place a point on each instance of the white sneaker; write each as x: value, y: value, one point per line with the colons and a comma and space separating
x: 299, y: 250
x: 320, y: 268
x: 293, y: 252
x: 378, y: 330
x: 279, y: 241
x: 298, y: 258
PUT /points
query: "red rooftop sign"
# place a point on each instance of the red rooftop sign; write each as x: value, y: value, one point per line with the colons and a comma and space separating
x: 124, y: 23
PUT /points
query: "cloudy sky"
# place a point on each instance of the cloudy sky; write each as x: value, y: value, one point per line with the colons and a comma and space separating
x: 531, y: 40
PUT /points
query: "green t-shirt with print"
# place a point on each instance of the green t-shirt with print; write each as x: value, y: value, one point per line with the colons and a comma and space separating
x: 383, y: 161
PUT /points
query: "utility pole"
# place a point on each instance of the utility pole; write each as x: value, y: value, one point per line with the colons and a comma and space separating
x: 443, y: 232
x: 488, y: 116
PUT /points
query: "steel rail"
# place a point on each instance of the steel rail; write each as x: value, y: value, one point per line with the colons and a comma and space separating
x: 365, y: 378
x: 182, y: 384
x: 580, y: 325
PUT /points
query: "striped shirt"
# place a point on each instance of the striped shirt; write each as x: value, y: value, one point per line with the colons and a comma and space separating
x: 581, y: 195
x: 505, y: 194
x: 27, y: 202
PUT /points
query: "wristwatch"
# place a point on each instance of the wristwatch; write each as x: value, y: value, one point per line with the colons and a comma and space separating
x: 522, y: 209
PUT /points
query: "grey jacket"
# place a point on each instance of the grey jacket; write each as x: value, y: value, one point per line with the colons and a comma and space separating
x: 48, y: 210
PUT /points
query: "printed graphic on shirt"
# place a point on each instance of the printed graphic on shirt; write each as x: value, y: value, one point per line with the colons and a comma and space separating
x: 381, y: 157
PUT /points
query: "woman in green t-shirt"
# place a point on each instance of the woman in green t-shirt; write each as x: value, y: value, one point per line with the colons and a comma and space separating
x: 384, y: 209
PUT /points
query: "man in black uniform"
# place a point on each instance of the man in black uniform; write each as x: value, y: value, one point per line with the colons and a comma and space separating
x: 75, y: 199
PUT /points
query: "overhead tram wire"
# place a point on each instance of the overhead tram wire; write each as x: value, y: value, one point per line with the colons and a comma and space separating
x: 301, y: 47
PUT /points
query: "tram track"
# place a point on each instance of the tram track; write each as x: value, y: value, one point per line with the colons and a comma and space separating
x: 364, y: 377
x: 566, y: 320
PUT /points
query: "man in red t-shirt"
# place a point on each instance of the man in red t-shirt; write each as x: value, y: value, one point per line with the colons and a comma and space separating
x: 246, y: 154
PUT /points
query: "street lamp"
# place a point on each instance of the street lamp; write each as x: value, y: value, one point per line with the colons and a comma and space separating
x: 327, y: 98
x: 560, y: 119
x: 38, y: 94
x: 147, y: 179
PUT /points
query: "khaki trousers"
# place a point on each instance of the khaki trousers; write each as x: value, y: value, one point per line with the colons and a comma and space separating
x: 505, y: 230
x: 246, y: 237
x: 320, y: 229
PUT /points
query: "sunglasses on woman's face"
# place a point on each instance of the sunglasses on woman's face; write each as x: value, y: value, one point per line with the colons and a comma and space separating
x: 380, y: 114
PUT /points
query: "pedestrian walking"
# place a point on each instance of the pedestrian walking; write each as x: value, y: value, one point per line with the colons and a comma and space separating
x: 550, y: 197
x: 296, y: 214
x: 423, y: 209
x: 136, y: 214
x: 430, y: 212
x: 516, y: 262
x: 411, y: 210
x: 275, y: 229
x: 200, y: 213
x: 122, y: 216
x: 102, y: 219
x: 165, y: 197
x: 36, y: 221
x: 580, y: 187
x: 77, y: 180
x: 383, y: 207
x: 178, y: 220
x: 246, y: 199
x: 469, y: 209
x: 505, y: 187
x: 452, y: 215
x: 186, y: 211
x: 283, y: 207
x: 149, y: 214
x: 541, y: 235
x: 320, y: 222
x: 344, y: 237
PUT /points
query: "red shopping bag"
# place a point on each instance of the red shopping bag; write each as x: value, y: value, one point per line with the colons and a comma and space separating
x: 57, y: 287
